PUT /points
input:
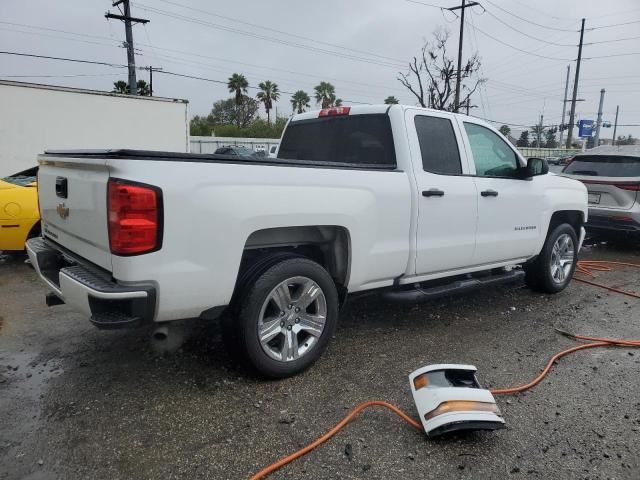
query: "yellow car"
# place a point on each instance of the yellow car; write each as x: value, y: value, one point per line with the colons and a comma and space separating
x: 19, y: 215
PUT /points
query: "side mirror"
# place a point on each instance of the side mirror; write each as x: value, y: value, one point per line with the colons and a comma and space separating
x: 536, y: 166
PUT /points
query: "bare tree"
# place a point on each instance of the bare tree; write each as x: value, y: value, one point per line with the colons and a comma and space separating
x: 432, y: 76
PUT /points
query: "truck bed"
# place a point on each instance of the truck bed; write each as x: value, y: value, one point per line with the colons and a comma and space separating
x: 163, y: 156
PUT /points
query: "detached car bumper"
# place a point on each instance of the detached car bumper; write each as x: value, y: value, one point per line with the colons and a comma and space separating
x: 90, y: 289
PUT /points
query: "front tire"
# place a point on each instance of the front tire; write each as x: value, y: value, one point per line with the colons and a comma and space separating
x: 553, y: 269
x: 287, y: 317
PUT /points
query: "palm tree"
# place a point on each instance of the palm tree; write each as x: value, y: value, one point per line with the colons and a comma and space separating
x: 238, y: 85
x: 325, y: 94
x: 143, y: 88
x: 268, y: 94
x: 120, y: 87
x: 300, y: 101
x: 391, y: 100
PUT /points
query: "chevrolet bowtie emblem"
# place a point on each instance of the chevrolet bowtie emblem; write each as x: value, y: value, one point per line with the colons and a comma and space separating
x: 62, y: 210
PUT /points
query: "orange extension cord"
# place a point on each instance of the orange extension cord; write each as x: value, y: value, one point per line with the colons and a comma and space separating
x: 586, y: 267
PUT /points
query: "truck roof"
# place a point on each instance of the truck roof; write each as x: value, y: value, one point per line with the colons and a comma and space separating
x: 377, y: 109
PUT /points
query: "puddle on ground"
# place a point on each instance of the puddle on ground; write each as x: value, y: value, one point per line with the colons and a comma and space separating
x: 23, y: 382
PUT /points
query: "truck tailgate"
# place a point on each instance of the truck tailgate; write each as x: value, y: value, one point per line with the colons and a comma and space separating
x: 73, y: 205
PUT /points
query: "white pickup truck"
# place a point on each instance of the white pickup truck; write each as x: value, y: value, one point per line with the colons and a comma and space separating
x: 411, y: 201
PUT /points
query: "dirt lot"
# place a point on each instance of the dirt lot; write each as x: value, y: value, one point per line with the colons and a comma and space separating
x: 80, y: 403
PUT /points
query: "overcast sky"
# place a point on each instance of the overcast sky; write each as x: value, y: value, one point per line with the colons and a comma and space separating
x: 357, y: 45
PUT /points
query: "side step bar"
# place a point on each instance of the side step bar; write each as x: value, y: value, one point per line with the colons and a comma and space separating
x: 421, y: 294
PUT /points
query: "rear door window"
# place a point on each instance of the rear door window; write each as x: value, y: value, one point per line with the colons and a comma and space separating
x: 352, y: 140
x: 604, y: 166
x: 438, y: 145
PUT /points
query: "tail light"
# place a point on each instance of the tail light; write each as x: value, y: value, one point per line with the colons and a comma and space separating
x: 334, y: 111
x: 634, y: 187
x: 135, y: 218
x: 462, y: 406
x: 629, y: 186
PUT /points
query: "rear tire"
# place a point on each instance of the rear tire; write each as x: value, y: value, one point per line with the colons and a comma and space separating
x: 553, y: 269
x: 286, y: 317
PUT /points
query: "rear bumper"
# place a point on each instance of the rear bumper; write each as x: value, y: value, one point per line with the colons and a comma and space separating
x: 109, y: 305
x: 616, y: 220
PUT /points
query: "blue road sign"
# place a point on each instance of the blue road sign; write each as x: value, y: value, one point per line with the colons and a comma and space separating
x: 585, y: 128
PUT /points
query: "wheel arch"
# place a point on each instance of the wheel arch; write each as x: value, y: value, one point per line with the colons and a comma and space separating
x: 328, y: 245
x: 575, y: 218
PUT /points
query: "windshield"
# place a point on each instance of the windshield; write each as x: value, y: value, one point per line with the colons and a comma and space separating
x: 356, y: 140
x: 23, y: 178
x: 604, y: 166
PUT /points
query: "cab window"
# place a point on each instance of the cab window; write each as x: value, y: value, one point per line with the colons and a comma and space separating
x: 491, y: 155
x: 438, y: 145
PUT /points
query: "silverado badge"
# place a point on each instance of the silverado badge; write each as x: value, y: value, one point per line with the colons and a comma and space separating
x: 62, y: 210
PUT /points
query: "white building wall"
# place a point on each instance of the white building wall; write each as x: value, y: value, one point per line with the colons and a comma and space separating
x: 35, y: 118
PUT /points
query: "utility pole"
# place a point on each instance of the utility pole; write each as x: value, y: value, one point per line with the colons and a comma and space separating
x: 572, y: 115
x: 461, y: 8
x: 615, y: 126
x: 131, y: 57
x: 539, y: 132
x: 564, y: 104
x: 151, y: 69
x: 596, y: 141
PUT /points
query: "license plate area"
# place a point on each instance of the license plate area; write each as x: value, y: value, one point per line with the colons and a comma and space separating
x: 594, y: 198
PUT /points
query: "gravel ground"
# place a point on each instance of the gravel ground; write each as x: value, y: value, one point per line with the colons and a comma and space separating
x: 79, y: 403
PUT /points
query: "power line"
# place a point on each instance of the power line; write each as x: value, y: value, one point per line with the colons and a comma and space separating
x: 39, y: 27
x: 545, y: 14
x: 399, y: 64
x: 521, y: 90
x: 425, y: 4
x: 482, y: 91
x: 614, y: 40
x: 612, y: 55
x: 520, y: 49
x: 164, y: 72
x: 75, y: 60
x: 293, y: 72
x: 613, y: 25
x: 510, y: 124
x: 179, y: 61
x: 62, y: 76
x: 526, y: 34
x: 48, y: 35
x: 281, y: 32
x: 530, y: 21
x: 153, y: 48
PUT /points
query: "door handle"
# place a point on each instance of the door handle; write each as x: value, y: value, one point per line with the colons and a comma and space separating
x: 489, y: 193
x: 432, y: 192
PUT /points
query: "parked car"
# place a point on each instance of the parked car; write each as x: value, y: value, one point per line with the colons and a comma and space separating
x: 415, y: 202
x: 273, y: 150
x: 19, y: 216
x: 235, y: 150
x: 553, y: 160
x: 612, y: 177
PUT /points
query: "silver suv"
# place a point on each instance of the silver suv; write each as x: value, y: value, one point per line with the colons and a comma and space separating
x: 612, y: 177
